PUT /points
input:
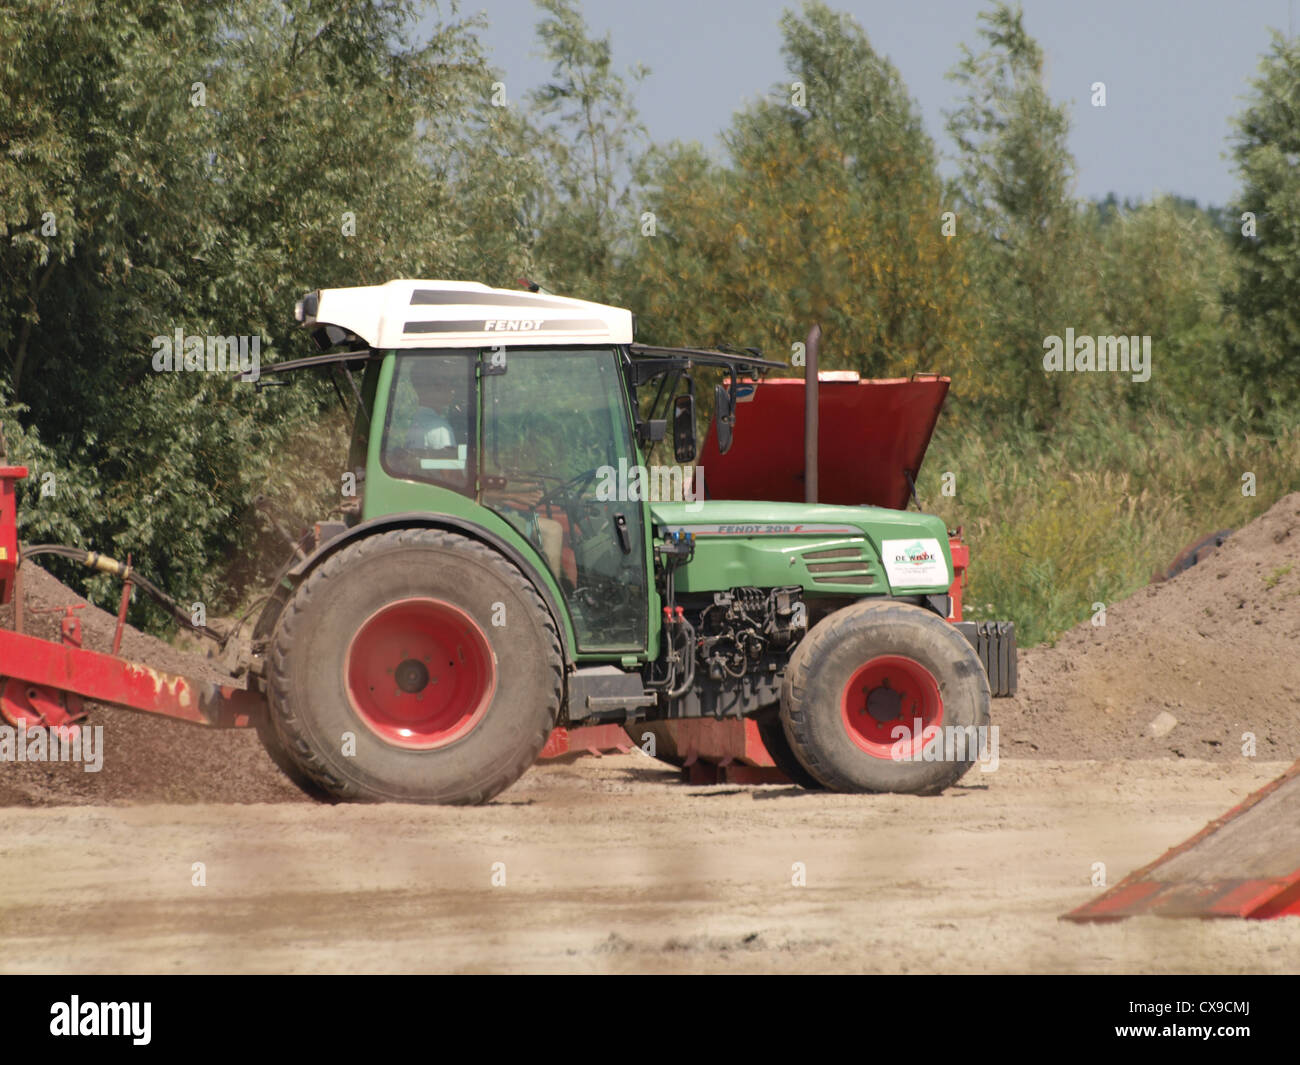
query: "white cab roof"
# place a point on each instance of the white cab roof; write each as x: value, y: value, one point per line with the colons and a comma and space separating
x: 453, y: 314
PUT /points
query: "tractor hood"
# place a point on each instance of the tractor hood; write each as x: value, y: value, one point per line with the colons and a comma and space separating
x: 871, y: 438
x: 828, y: 550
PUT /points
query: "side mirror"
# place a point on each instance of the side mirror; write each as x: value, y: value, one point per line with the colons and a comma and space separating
x: 684, y: 427
x: 724, y: 417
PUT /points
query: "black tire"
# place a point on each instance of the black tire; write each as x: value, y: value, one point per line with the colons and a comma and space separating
x: 313, y: 703
x: 831, y: 655
x: 274, y: 746
x: 778, y: 746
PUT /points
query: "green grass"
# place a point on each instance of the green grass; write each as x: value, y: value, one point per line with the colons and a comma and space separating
x: 1271, y: 581
x: 1086, y: 514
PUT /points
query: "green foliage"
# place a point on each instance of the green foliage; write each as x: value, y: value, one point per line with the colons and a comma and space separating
x: 587, y: 134
x: 1015, y: 191
x: 1266, y: 290
x: 1016, y: 167
x: 1091, y: 513
x: 199, y: 167
x: 828, y: 210
x: 1160, y: 268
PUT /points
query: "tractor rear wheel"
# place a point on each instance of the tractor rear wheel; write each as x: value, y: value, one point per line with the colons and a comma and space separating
x: 885, y: 696
x: 414, y: 666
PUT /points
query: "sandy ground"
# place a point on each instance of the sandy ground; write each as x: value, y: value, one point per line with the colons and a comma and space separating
x: 612, y: 865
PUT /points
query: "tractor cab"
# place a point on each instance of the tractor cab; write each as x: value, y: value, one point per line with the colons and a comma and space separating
x: 508, y: 411
x: 529, y: 415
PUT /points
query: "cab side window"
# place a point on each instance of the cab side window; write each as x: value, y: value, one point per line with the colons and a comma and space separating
x: 430, y: 429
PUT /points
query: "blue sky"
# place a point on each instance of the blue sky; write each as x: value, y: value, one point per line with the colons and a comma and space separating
x: 1175, y: 72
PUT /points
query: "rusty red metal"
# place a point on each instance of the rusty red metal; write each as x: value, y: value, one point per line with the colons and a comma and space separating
x: 588, y: 739
x: 108, y: 679
x: 69, y: 624
x: 42, y: 681
x: 724, y: 752
x: 726, y: 742
x: 27, y: 706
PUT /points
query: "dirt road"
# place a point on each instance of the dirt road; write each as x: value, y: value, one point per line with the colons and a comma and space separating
x: 611, y: 865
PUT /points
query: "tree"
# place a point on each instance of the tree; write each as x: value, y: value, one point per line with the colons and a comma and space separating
x: 590, y: 133
x: 200, y: 167
x: 829, y: 209
x: 1158, y: 270
x: 1266, y: 292
x: 1015, y: 190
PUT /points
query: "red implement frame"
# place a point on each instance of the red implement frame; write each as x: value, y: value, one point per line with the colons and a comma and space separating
x: 40, y: 681
x: 724, y: 752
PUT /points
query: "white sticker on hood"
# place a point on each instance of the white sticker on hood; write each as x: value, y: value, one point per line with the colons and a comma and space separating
x: 913, y: 563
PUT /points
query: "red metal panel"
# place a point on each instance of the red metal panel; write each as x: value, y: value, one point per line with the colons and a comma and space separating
x: 591, y: 739
x: 9, y: 476
x: 1151, y: 890
x: 960, y: 563
x: 596, y: 739
x: 869, y: 433
x: 727, y: 742
x: 557, y: 743
x: 1285, y: 901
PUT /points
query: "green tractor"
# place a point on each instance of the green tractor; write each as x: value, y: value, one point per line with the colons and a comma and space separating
x: 501, y: 569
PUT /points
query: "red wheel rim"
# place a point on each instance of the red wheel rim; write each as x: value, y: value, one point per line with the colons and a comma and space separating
x: 420, y: 673
x: 888, y: 693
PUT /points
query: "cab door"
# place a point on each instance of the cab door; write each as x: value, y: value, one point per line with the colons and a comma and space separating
x: 556, y: 463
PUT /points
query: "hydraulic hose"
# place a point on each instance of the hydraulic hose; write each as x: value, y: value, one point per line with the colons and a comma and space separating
x: 102, y: 563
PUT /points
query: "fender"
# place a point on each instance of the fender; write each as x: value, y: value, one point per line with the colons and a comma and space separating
x: 412, y: 520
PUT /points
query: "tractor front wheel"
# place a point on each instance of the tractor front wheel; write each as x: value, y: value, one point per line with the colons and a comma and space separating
x: 885, y: 696
x: 414, y: 666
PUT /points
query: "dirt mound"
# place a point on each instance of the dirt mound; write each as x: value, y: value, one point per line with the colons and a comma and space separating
x: 1215, y: 648
x: 147, y: 758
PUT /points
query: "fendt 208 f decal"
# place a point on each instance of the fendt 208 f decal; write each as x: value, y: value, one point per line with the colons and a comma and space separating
x: 769, y: 529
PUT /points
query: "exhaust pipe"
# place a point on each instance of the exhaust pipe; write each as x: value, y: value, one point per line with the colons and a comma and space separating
x: 810, y: 408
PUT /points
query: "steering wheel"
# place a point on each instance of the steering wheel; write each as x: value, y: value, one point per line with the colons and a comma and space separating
x: 563, y: 495
x: 572, y: 487
x: 567, y: 496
